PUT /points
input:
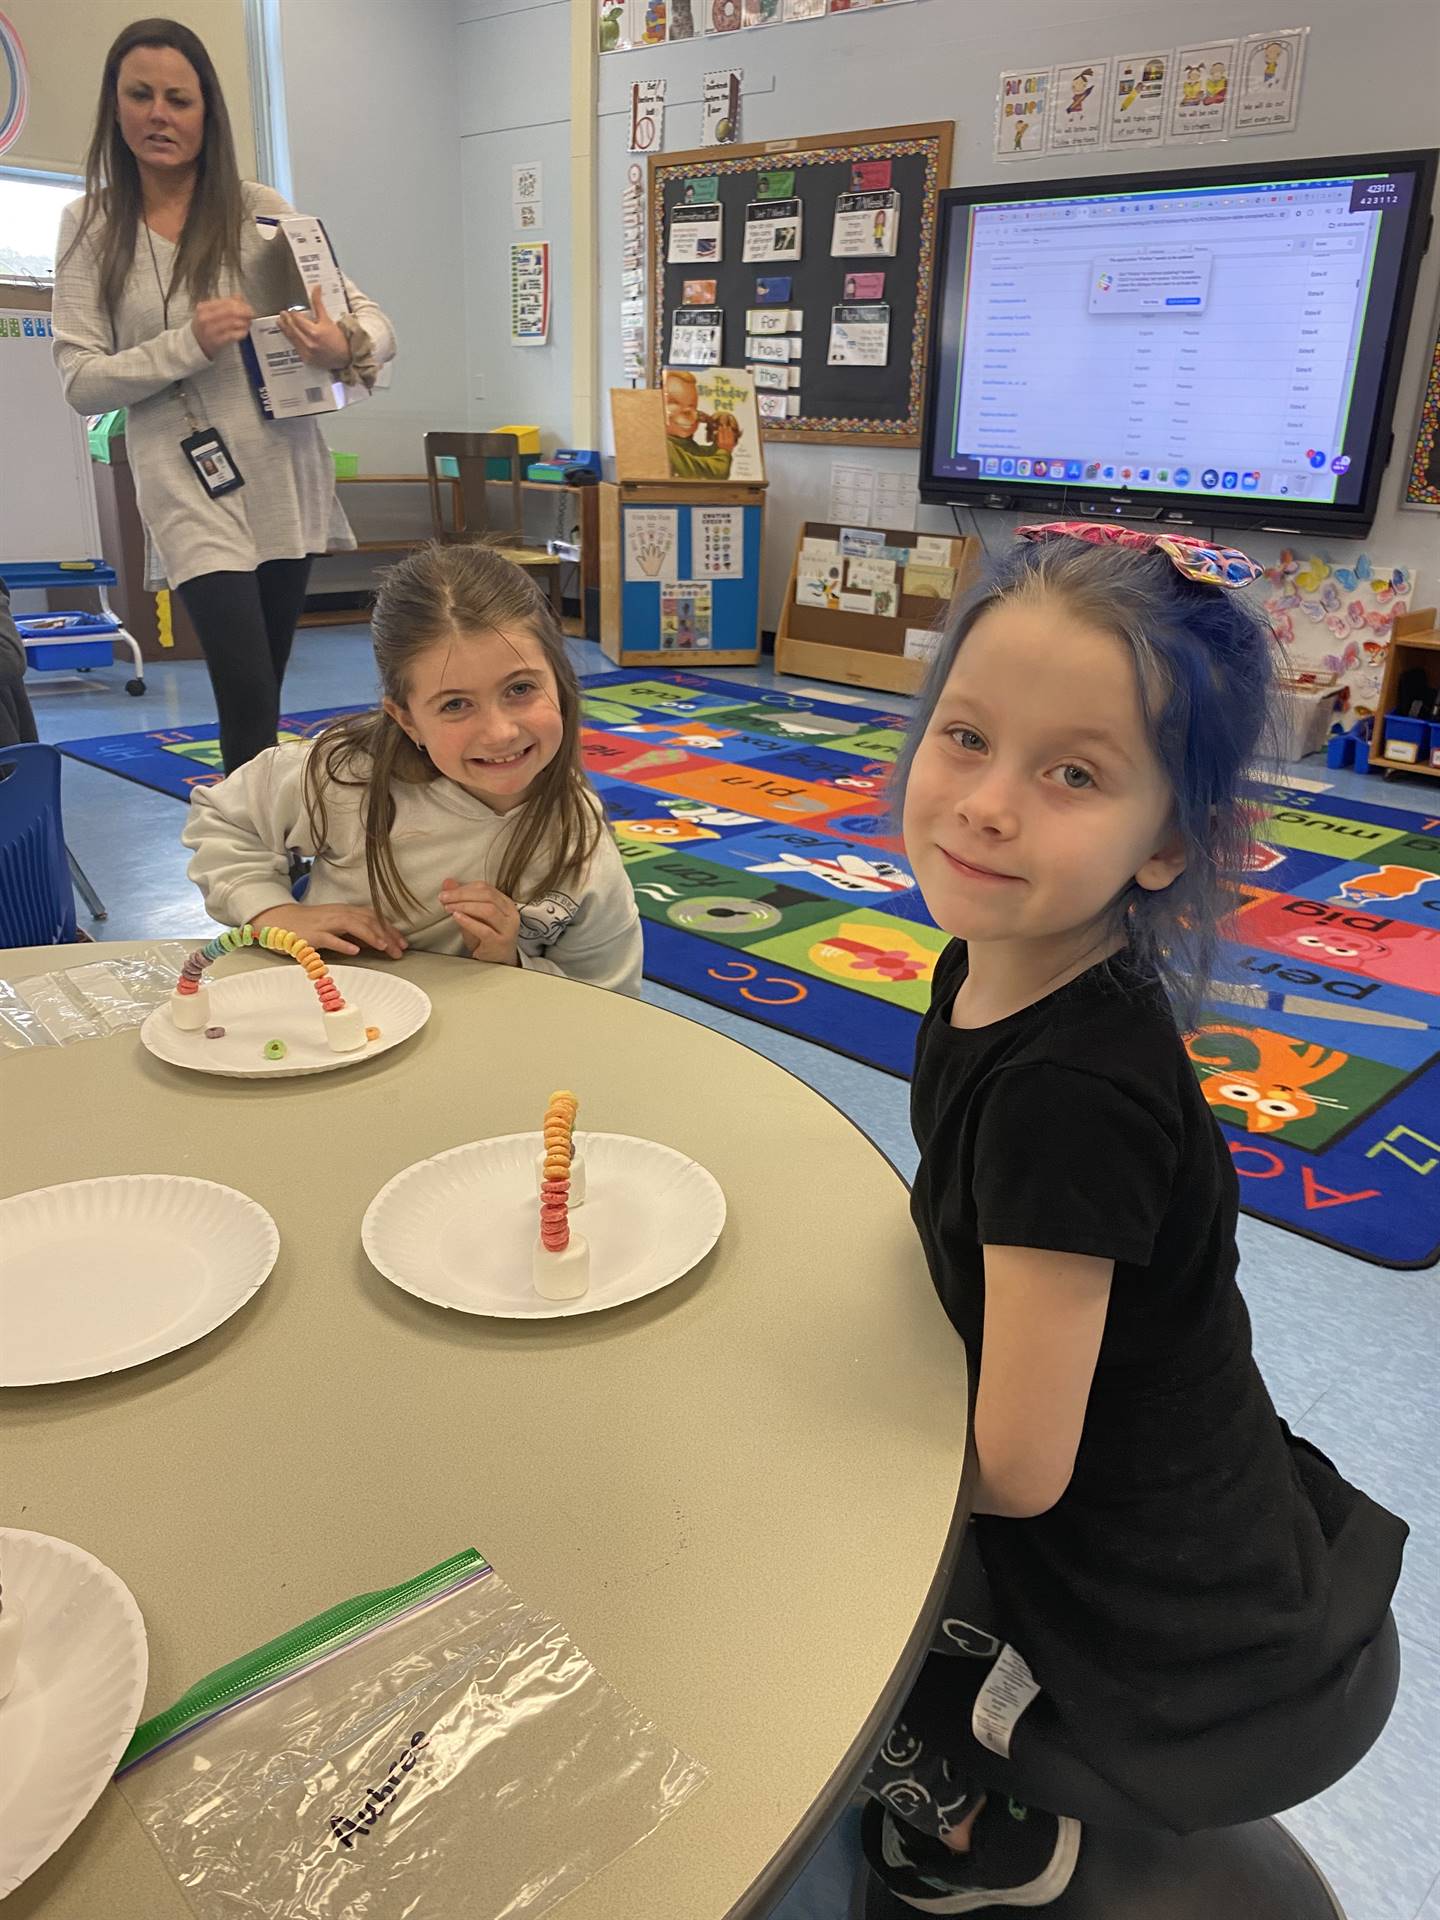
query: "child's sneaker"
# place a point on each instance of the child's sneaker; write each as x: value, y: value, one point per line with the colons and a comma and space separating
x: 1019, y: 1857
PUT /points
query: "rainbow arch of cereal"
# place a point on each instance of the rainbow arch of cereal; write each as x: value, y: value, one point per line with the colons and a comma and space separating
x: 278, y: 940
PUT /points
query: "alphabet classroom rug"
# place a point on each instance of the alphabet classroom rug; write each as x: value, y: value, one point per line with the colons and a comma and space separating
x: 176, y: 760
x: 754, y: 825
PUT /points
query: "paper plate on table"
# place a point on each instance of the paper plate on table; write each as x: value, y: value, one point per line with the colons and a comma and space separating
x: 460, y: 1229
x: 98, y: 1275
x: 278, y: 1003
x: 76, y: 1699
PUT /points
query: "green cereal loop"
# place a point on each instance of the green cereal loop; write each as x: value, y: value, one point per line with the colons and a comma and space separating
x: 275, y: 1049
x: 247, y: 935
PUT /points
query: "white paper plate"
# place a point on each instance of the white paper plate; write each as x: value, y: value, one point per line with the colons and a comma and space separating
x: 76, y: 1699
x: 102, y: 1274
x: 460, y: 1230
x: 279, y: 1003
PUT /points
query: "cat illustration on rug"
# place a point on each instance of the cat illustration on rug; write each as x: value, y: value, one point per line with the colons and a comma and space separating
x: 1270, y: 1089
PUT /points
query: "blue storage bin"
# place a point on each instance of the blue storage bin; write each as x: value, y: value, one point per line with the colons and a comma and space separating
x: 43, y: 659
x: 1407, y: 740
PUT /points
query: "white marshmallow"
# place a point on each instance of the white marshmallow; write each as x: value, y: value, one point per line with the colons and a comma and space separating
x: 12, y: 1632
x: 564, y: 1275
x: 191, y: 1011
x: 345, y: 1030
x: 577, y: 1176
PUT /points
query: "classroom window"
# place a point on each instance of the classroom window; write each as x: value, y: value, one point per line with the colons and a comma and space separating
x: 30, y: 208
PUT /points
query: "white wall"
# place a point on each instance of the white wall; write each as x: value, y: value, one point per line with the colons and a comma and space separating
x: 371, y: 107
x: 513, y: 64
x: 938, y: 60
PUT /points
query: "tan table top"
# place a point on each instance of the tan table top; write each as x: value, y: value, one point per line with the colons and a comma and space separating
x: 735, y: 1494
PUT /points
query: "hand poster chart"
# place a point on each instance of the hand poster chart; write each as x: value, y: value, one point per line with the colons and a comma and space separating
x: 650, y: 537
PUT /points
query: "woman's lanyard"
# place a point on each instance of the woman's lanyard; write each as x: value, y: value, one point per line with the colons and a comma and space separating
x: 209, y: 457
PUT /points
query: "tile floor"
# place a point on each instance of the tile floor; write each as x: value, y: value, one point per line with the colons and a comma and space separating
x: 1349, y: 1349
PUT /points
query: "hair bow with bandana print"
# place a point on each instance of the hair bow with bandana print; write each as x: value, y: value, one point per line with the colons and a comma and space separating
x: 1197, y: 559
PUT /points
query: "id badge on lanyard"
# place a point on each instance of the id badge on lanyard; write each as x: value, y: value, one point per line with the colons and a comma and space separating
x: 211, y: 460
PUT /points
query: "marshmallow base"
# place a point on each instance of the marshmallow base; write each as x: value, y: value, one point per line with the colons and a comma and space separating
x: 577, y: 1177
x: 12, y: 1632
x: 564, y: 1275
x: 191, y: 1011
x: 345, y: 1030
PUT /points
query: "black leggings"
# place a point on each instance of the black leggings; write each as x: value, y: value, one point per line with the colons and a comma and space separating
x: 245, y: 623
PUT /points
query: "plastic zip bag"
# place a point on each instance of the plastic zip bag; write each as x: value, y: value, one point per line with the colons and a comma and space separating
x: 435, y: 1749
x: 86, y: 1003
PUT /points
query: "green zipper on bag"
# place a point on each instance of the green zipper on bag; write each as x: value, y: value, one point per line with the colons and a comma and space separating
x: 298, y: 1648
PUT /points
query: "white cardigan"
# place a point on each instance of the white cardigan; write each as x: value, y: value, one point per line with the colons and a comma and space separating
x: 287, y: 506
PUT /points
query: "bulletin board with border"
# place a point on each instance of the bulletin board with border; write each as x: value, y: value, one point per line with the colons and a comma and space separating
x: 841, y: 406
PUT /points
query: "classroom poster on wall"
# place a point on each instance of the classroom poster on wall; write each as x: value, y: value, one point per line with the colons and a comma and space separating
x: 865, y: 224
x: 1200, y: 102
x: 686, y: 615
x: 647, y: 116
x: 696, y: 335
x: 649, y: 22
x: 760, y: 13
x: 614, y: 24
x: 859, y: 336
x: 682, y: 19
x: 717, y: 542
x: 527, y: 196
x: 1137, y: 100
x: 696, y: 234
x: 1020, y: 113
x: 720, y: 107
x: 530, y: 294
x: 650, y: 537
x: 1078, y: 97
x: 1267, y: 81
x: 724, y: 16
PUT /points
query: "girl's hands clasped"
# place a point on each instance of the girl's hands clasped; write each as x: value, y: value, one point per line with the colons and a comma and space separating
x: 489, y: 920
x: 336, y: 929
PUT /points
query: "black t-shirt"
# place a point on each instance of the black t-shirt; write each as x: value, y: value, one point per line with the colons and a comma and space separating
x: 1203, y: 1565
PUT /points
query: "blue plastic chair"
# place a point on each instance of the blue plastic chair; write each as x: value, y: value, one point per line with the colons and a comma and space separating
x: 37, y: 899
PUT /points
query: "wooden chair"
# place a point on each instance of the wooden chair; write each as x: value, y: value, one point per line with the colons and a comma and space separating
x: 471, y: 453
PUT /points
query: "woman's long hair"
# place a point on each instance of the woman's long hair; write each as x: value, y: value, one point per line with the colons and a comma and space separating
x: 114, y: 204
x: 433, y: 594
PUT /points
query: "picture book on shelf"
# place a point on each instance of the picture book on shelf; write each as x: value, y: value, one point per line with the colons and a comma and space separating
x: 712, y: 426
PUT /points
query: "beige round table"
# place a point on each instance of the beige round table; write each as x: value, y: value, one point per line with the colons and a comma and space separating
x: 739, y: 1495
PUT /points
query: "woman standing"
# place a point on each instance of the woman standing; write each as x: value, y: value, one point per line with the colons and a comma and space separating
x: 161, y: 269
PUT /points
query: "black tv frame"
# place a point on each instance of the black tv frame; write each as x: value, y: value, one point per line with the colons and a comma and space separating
x: 1188, y: 508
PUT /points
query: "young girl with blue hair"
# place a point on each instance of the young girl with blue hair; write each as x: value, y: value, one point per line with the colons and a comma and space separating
x: 1164, y: 1590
